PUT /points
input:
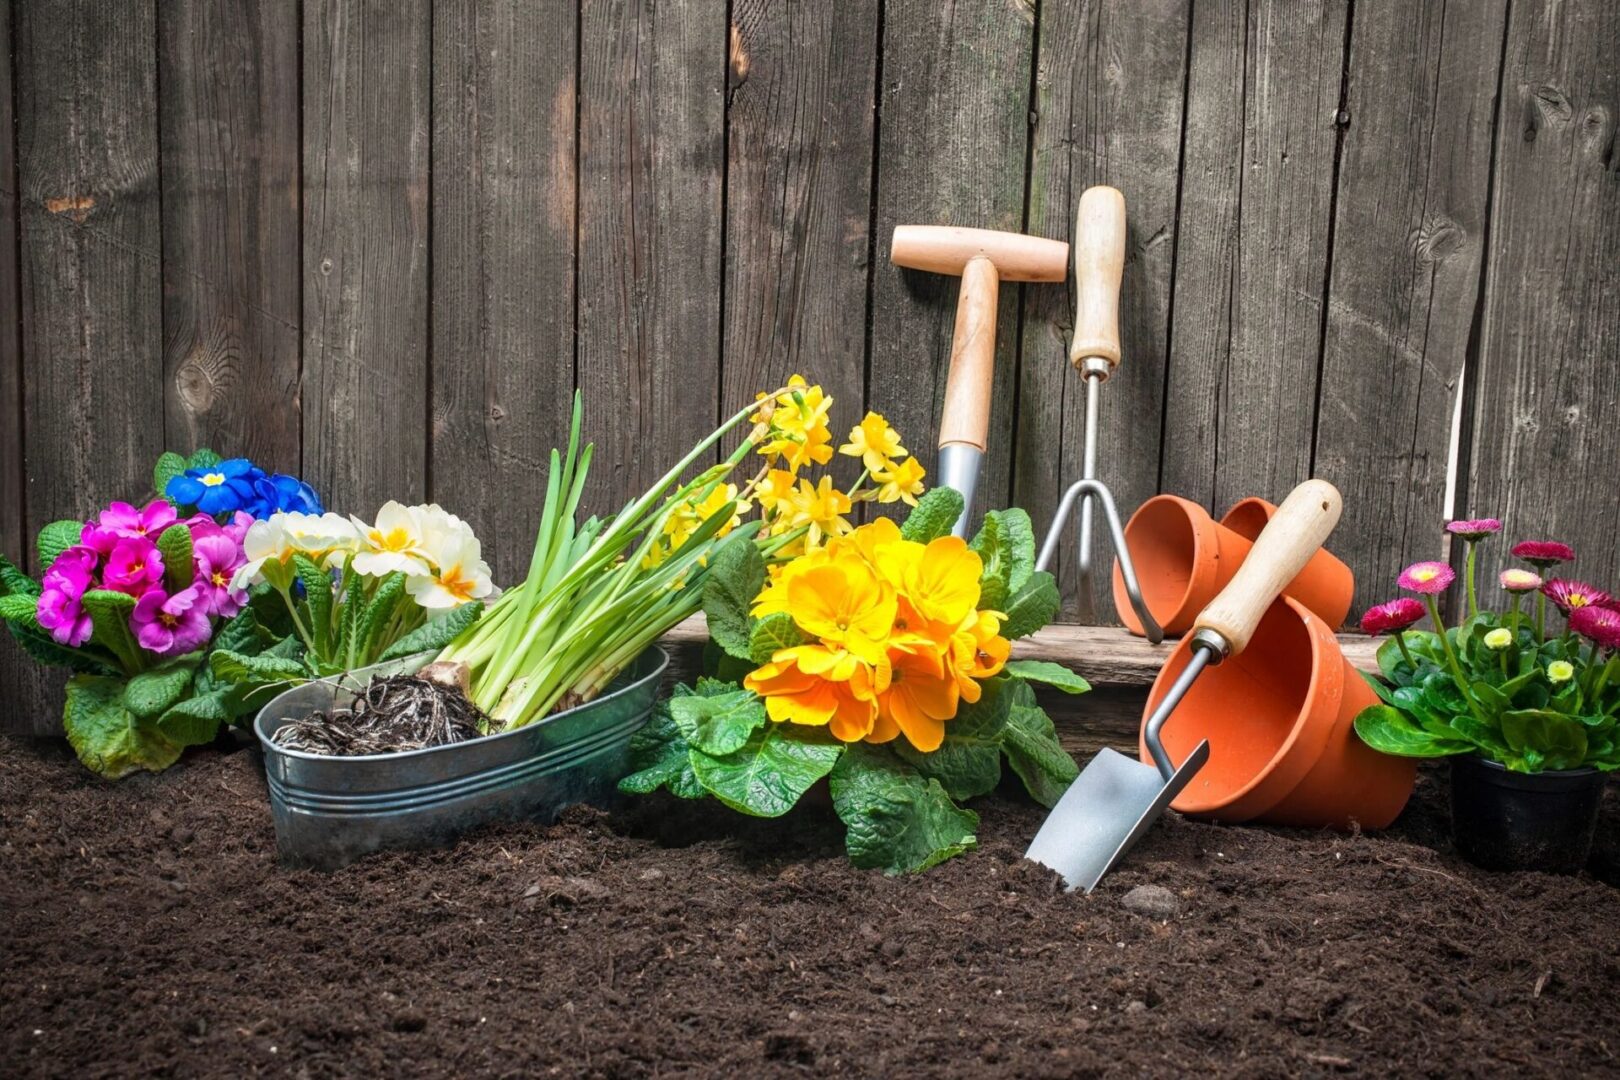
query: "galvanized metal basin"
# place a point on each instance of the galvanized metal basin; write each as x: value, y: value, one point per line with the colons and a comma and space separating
x: 330, y: 811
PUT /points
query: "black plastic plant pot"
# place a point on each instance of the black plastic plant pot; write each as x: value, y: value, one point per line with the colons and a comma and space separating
x: 1504, y: 820
x: 330, y: 811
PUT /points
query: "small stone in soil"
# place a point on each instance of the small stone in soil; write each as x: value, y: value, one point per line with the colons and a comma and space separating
x: 1154, y: 901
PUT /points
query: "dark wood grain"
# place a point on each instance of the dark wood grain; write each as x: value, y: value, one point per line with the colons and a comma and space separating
x: 503, y: 263
x: 229, y: 139
x: 91, y: 253
x: 1413, y: 182
x: 652, y: 160
x: 1252, y: 254
x: 1545, y: 437
x: 952, y: 143
x: 365, y: 168
x: 1109, y: 95
x: 798, y: 187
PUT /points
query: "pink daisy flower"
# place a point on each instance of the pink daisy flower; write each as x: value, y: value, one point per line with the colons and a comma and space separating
x: 1474, y: 528
x: 1597, y: 624
x: 1427, y: 577
x: 1520, y: 581
x: 1572, y: 595
x: 1393, y: 615
x: 1543, y: 553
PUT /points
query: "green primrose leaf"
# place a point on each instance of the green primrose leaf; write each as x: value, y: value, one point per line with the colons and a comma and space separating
x: 109, y: 619
x: 195, y: 720
x: 968, y: 763
x: 1006, y: 544
x: 721, y: 724
x: 88, y: 659
x: 933, y: 515
x: 203, y: 458
x: 13, y: 582
x: 735, y: 577
x: 1032, y: 606
x: 15, y: 608
x: 436, y: 633
x: 54, y: 539
x: 661, y: 757
x: 317, y: 583
x: 896, y: 820
x: 773, y: 633
x: 1049, y: 674
x: 175, y: 545
x: 252, y: 672
x: 244, y: 634
x: 169, y: 465
x: 1031, y: 744
x: 108, y: 738
x: 151, y: 693
x: 363, y: 624
x: 1390, y: 731
x: 769, y: 772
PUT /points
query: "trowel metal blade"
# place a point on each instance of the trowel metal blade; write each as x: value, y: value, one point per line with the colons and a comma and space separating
x: 1107, y: 809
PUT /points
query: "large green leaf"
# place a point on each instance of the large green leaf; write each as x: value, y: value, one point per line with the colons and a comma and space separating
x: 87, y: 660
x: 1390, y: 731
x: 151, y: 693
x: 933, y: 515
x: 436, y: 633
x: 770, y: 635
x: 175, y: 544
x: 769, y: 772
x: 254, y: 671
x: 109, y: 618
x: 169, y: 465
x: 1006, y: 544
x: 968, y: 763
x: 244, y: 634
x: 897, y: 820
x: 317, y: 582
x: 108, y: 738
x: 1047, y: 673
x: 195, y: 720
x: 364, y: 623
x: 13, y: 582
x: 15, y: 607
x: 1032, y: 606
x: 1033, y: 749
x: 1556, y: 740
x: 203, y: 458
x: 661, y: 757
x: 54, y: 539
x: 735, y: 577
x: 721, y: 724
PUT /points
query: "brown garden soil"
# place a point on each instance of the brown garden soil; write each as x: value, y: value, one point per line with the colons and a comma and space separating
x: 149, y: 930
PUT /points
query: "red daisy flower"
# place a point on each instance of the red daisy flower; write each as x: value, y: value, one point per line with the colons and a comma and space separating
x: 1572, y: 595
x: 1543, y: 553
x: 1427, y: 577
x: 1394, y: 615
x: 1474, y: 528
x: 1598, y: 624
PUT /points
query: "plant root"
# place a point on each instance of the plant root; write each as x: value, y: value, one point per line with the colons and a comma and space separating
x: 391, y: 715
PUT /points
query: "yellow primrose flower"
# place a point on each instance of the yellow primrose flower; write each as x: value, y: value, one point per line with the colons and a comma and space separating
x: 875, y: 443
x: 842, y: 602
x: 902, y: 483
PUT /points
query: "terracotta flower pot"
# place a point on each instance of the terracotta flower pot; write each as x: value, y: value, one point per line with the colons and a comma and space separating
x: 1184, y: 558
x: 1326, y: 585
x: 1279, y: 718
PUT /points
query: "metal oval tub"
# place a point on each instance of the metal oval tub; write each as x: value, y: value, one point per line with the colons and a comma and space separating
x: 330, y: 811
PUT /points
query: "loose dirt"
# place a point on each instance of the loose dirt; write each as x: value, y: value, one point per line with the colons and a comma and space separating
x: 149, y: 930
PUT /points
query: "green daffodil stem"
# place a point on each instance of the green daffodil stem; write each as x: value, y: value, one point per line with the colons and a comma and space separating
x: 1468, y: 569
x: 1400, y: 642
x: 1451, y: 657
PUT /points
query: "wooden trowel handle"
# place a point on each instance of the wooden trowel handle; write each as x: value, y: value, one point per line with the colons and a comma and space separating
x: 1099, y: 263
x: 1293, y: 535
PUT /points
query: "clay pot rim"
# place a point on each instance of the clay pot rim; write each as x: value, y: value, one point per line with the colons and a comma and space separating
x: 1300, y: 748
x: 1202, y: 577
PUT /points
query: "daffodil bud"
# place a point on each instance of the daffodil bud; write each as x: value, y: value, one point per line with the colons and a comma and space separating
x: 1500, y: 638
x: 1560, y: 671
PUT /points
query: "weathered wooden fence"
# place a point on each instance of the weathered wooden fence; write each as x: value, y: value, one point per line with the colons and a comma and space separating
x: 381, y: 243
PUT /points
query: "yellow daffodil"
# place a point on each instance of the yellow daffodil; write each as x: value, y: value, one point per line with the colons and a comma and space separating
x: 796, y: 426
x: 875, y: 443
x: 901, y: 483
x: 824, y: 506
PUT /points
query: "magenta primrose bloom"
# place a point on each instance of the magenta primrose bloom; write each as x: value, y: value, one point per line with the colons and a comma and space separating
x: 134, y: 566
x: 1543, y: 553
x: 218, y: 558
x: 170, y: 625
x: 59, y: 610
x: 122, y: 519
x: 1516, y: 580
x: 1597, y: 624
x: 1474, y: 528
x: 1389, y: 617
x: 1427, y: 577
x: 1571, y: 595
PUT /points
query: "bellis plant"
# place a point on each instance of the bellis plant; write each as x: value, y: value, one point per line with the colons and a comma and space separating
x: 878, y: 660
x: 1499, y: 684
x: 132, y: 602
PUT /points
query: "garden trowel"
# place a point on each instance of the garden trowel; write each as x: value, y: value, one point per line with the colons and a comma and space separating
x: 1115, y: 799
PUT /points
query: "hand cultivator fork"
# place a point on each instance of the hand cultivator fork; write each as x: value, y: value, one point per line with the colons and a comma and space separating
x: 1099, y: 263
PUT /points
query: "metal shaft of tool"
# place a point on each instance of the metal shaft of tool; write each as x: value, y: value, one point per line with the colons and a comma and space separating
x: 958, y: 467
x: 1096, y: 489
x: 1208, y: 648
x: 1088, y: 471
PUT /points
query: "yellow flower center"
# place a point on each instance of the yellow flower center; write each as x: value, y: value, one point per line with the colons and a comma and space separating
x: 1424, y: 574
x: 218, y: 578
x: 1579, y: 600
x: 395, y: 540
x: 213, y: 479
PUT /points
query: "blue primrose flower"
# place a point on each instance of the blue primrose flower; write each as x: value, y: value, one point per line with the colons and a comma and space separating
x: 238, y: 484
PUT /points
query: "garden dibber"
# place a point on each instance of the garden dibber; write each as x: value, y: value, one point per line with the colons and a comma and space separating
x: 1114, y: 800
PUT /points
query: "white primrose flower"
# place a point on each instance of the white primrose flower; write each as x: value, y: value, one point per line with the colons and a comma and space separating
x: 265, y: 541
x: 270, y: 545
x: 459, y: 574
x: 325, y: 538
x: 395, y: 544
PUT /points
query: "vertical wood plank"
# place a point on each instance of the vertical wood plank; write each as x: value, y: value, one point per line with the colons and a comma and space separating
x: 1547, y: 386
x: 1108, y: 98
x: 953, y: 138
x: 652, y: 155
x: 1409, y: 241
x: 1252, y: 257
x: 365, y: 175
x: 798, y: 186
x: 503, y: 263
x: 230, y: 154
x: 30, y: 698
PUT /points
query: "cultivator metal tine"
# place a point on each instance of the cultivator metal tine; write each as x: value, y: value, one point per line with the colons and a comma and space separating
x: 1084, y: 491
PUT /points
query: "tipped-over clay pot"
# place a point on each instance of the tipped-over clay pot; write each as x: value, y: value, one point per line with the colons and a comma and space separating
x: 1184, y: 558
x: 1279, y: 718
